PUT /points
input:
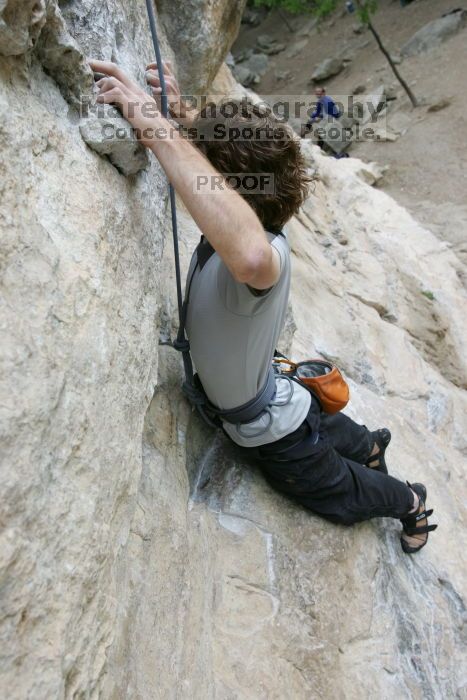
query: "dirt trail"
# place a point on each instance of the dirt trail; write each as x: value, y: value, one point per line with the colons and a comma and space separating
x: 427, y: 164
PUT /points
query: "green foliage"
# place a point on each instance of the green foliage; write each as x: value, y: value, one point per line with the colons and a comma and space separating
x: 429, y: 295
x: 293, y: 6
x: 366, y: 8
x: 320, y: 8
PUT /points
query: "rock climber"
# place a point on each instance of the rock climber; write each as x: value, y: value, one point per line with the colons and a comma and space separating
x: 238, y: 301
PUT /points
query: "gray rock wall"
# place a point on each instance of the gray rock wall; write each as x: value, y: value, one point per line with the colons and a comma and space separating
x: 139, y: 558
x: 81, y: 299
x: 83, y: 290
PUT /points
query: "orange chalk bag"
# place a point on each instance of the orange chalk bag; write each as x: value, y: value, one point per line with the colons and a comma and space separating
x: 322, y: 378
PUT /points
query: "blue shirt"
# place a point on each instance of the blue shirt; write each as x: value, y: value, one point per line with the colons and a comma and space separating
x: 325, y: 105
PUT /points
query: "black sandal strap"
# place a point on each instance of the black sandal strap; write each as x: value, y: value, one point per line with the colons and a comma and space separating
x: 382, y: 438
x: 423, y: 514
x: 422, y: 530
x: 411, y: 520
x: 410, y: 524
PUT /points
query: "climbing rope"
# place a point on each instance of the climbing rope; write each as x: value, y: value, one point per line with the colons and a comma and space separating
x: 194, y: 395
x: 164, y: 109
x: 181, y: 343
x: 197, y: 398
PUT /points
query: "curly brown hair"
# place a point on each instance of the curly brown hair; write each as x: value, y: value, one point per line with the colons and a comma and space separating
x: 243, y: 137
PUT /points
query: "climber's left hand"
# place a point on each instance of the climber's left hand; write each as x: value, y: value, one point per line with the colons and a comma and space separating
x: 135, y: 104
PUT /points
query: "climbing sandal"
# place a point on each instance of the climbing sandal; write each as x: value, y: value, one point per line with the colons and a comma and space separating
x: 410, y: 523
x: 382, y: 438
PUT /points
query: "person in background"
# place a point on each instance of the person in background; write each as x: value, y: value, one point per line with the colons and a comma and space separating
x: 325, y: 107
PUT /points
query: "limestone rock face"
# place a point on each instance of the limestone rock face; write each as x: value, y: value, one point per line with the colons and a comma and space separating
x: 83, y: 292
x: 193, y: 28
x: 62, y: 57
x: 111, y: 135
x: 21, y: 22
x: 139, y: 556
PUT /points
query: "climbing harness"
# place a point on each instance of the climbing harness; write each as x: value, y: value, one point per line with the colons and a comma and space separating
x: 192, y: 387
x: 266, y: 397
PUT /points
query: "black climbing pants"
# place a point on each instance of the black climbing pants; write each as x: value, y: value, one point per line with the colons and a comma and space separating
x: 321, y: 466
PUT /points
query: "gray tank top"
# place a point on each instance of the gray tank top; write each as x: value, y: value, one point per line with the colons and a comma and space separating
x: 232, y: 334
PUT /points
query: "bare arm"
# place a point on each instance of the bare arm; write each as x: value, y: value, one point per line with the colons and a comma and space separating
x: 224, y: 217
x: 227, y: 221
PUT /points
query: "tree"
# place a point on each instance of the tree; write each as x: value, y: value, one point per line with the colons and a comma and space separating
x: 365, y: 10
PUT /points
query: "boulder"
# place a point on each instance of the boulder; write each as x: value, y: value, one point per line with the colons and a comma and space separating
x: 327, y: 68
x: 257, y: 63
x: 267, y: 44
x: 243, y: 55
x: 245, y: 76
x: 434, y: 33
x: 251, y: 17
x: 297, y: 48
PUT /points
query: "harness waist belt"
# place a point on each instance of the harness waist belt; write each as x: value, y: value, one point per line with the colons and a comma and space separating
x: 252, y: 409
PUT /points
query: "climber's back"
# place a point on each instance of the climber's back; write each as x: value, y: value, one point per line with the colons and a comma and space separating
x: 233, y: 331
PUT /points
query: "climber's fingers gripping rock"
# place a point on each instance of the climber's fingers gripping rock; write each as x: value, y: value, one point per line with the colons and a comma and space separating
x: 153, y: 78
x: 178, y: 107
x: 135, y: 104
x: 112, y: 70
